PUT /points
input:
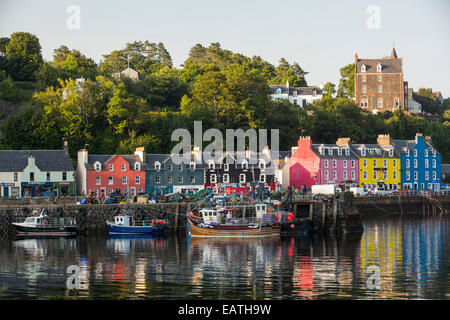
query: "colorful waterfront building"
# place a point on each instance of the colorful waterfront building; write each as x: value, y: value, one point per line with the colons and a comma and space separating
x: 420, y: 163
x: 106, y: 174
x: 29, y: 173
x: 379, y: 164
x: 313, y: 164
x: 165, y: 174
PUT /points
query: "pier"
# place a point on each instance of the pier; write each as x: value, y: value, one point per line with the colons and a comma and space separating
x: 340, y: 214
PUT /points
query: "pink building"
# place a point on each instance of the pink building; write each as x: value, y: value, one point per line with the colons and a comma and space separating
x: 323, y: 164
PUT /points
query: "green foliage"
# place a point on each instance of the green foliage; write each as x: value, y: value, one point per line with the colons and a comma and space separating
x: 73, y: 64
x: 428, y: 100
x: 346, y: 88
x: 285, y: 72
x: 329, y: 89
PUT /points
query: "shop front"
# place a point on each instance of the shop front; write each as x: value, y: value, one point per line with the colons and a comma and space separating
x: 9, y: 190
x: 33, y: 189
x: 63, y: 189
x: 159, y: 190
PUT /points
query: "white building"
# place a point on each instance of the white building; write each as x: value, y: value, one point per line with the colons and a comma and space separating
x: 300, y: 96
x: 413, y: 106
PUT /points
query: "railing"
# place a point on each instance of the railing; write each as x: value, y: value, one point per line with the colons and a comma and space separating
x: 54, y: 222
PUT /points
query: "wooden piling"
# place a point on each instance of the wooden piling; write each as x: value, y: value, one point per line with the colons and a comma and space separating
x: 311, y: 209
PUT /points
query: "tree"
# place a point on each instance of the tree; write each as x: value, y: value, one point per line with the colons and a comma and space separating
x: 285, y: 72
x: 23, y: 53
x: 329, y: 89
x: 125, y: 111
x: 346, y: 88
x: 428, y: 100
x: 3, y: 43
x: 73, y: 64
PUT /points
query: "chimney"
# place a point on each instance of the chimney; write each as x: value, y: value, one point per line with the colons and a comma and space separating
x: 304, y: 142
x: 65, y: 146
x: 384, y: 140
x: 141, y: 153
x: 82, y: 156
x: 343, y: 142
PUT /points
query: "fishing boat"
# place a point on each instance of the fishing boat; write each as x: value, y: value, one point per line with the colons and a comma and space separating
x: 220, y: 222
x: 125, y: 224
x: 40, y: 224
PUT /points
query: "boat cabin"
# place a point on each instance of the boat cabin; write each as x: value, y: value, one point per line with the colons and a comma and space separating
x: 33, y: 221
x: 209, y: 215
x: 260, y: 210
x: 126, y: 221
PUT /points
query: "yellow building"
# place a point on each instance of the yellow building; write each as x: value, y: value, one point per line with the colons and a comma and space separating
x: 379, y: 165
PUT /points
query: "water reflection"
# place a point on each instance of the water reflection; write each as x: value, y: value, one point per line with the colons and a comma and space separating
x: 412, y: 254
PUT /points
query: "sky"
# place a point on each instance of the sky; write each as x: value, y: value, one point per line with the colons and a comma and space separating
x: 322, y: 35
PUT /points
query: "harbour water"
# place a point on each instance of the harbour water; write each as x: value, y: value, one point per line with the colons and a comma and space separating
x: 412, y: 255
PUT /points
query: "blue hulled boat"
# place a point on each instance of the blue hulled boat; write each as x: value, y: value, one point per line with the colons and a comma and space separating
x: 125, y: 224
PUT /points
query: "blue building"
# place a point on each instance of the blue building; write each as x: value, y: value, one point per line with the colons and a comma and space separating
x: 420, y: 163
x: 165, y: 176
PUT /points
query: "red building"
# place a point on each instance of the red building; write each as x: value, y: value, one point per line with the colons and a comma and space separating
x: 106, y: 174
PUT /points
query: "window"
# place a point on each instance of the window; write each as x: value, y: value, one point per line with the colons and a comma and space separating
x: 374, y: 175
x: 64, y: 176
x: 434, y: 175
x: 180, y: 179
x: 375, y: 162
x: 262, y: 164
x: 353, y: 163
x: 385, y: 163
x: 347, y: 151
x: 137, y: 180
x: 426, y: 163
x: 380, y: 88
x: 98, y: 166
x: 397, y: 102
x: 345, y: 175
x: 192, y: 166
x: 244, y: 165
x: 48, y: 176
x: 213, y: 178
x: 334, y: 174
x: 363, y: 152
x: 364, y: 102
x: 98, y: 180
x: 415, y: 163
x: 378, y: 67
x: 364, y: 89
x: 407, y: 163
x: 124, y: 167
x: 158, y: 179
x: 434, y: 163
x: 334, y: 163
x: 133, y: 191
x: 363, y: 77
x: 326, y: 163
x: 180, y: 167
x: 242, y: 178
x: 339, y: 151
x: 226, y: 167
x: 365, y: 163
x: 345, y: 164
x: 408, y: 175
x: 330, y: 151
x: 169, y: 167
x: 15, y: 176
x: 365, y: 175
x: 211, y: 165
x: 31, y: 176
x: 426, y: 153
x: 137, y: 166
x: 124, y: 180
x: 407, y: 152
x: 415, y: 152
x: 226, y: 178
x: 395, y: 163
x: 363, y: 68
x: 416, y: 175
x: 395, y: 175
x: 391, y: 152
x: 380, y: 78
x: 111, y: 167
x: 353, y: 175
x: 380, y: 102
x: 427, y: 175
x: 326, y: 175
x: 157, y: 166
x: 315, y: 175
x: 110, y: 180
x: 169, y: 179
x: 192, y: 179
x: 262, y: 177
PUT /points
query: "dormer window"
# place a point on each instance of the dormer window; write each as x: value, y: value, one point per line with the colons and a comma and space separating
x: 314, y: 92
x: 157, y: 165
x: 97, y: 166
x: 340, y: 151
x: 192, y: 166
x: 363, y: 68
x: 330, y: 151
x: 379, y: 67
x: 262, y: 164
x: 347, y: 151
x: 244, y: 165
x: 363, y: 152
x: 137, y: 166
x: 211, y: 164
x: 322, y: 150
x: 391, y: 152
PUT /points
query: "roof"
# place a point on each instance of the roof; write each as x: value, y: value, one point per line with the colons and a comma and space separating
x: 299, y: 91
x: 379, y: 151
x: 388, y: 65
x: 45, y: 160
x: 103, y: 159
x: 334, y: 151
x: 403, y: 145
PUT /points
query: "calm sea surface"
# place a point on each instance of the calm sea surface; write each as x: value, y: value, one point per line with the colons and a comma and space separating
x: 412, y: 254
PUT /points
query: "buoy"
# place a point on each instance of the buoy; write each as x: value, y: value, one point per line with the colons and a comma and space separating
x: 292, y: 226
x: 289, y: 218
x: 278, y: 217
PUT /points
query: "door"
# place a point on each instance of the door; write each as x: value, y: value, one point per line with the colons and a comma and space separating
x: 6, y: 192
